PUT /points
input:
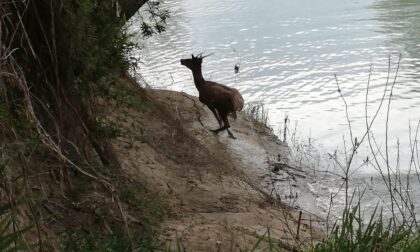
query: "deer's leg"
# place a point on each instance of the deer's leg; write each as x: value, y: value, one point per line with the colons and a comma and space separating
x: 225, y: 126
x: 230, y: 134
x: 216, y: 115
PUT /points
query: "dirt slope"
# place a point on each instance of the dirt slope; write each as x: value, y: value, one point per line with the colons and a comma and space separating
x: 218, y: 188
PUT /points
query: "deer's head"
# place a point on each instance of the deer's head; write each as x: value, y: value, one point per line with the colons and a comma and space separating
x: 194, y: 64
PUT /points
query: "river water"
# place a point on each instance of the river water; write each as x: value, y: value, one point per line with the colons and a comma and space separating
x: 289, y: 52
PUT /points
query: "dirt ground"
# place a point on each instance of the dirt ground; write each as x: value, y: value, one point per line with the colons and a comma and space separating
x: 218, y: 187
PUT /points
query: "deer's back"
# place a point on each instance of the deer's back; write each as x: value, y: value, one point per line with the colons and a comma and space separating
x: 216, y: 95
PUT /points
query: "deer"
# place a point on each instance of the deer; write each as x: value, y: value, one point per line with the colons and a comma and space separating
x: 220, y: 99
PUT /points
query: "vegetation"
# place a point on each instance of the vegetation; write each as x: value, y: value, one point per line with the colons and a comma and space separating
x: 353, y: 234
x: 395, y: 230
x: 257, y: 113
x: 59, y: 60
x: 11, y: 235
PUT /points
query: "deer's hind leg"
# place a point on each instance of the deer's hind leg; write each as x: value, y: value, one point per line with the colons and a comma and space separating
x: 225, y: 126
x: 230, y: 134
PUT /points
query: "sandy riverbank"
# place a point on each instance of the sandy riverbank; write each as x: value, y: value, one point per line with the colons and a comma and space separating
x: 219, y: 189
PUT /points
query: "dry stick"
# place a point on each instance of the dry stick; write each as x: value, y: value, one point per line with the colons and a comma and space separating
x: 298, y: 227
x: 413, y: 148
x: 54, y: 44
x: 406, y: 198
x: 411, y: 162
x: 416, y: 145
x: 386, y: 130
x: 368, y: 126
x: 311, y: 231
x: 346, y: 156
x: 11, y: 202
x: 384, y: 178
x: 31, y: 209
x: 329, y: 212
x: 358, y: 168
x: 280, y: 207
x: 286, y: 118
x: 23, y: 26
x: 332, y: 196
x: 353, y: 142
x: 15, y: 225
x: 286, y: 215
x: 406, y: 201
x: 347, y: 111
x: 387, y: 182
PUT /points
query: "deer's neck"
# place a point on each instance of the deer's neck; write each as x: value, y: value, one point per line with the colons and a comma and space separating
x: 198, y: 79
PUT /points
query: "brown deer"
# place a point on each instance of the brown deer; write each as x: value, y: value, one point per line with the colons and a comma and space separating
x: 220, y: 99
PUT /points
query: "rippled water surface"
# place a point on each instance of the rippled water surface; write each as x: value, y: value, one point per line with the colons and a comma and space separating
x: 289, y: 52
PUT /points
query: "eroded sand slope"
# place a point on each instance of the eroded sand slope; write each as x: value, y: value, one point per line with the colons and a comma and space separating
x: 218, y: 188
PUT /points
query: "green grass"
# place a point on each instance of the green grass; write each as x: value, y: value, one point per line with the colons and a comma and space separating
x: 11, y: 238
x: 378, y: 234
x: 87, y: 240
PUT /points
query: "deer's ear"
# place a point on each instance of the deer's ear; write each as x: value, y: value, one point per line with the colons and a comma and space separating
x: 192, y: 56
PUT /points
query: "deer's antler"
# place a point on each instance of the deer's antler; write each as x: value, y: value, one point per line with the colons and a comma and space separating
x: 206, y: 55
x: 200, y: 55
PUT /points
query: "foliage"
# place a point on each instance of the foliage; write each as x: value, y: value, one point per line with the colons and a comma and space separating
x: 108, y: 129
x: 10, y: 236
x: 155, y: 22
x: 84, y: 240
x: 126, y: 95
x: 62, y: 59
x: 96, y: 43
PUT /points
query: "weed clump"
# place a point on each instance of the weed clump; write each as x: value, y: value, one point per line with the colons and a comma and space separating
x: 257, y: 113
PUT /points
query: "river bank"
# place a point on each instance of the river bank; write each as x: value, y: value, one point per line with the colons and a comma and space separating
x: 220, y: 190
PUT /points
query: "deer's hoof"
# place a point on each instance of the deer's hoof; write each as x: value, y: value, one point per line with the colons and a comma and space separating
x: 232, y: 136
x: 215, y: 131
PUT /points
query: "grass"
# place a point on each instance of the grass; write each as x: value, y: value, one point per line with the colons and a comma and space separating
x: 146, y: 209
x: 353, y: 234
x: 86, y: 241
x: 11, y: 237
x: 150, y: 205
x: 257, y: 113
